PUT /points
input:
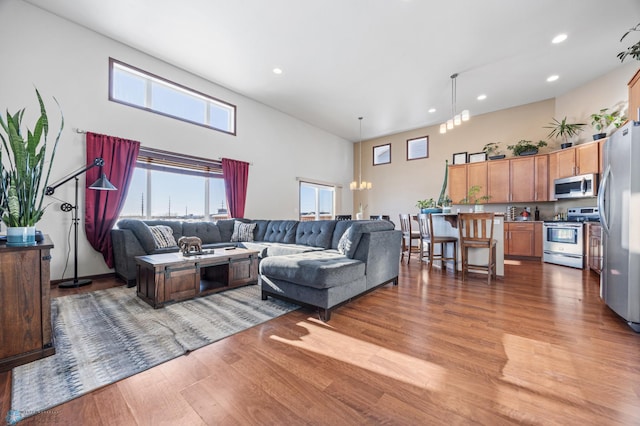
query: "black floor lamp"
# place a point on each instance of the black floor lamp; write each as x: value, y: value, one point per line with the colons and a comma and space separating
x: 102, y: 184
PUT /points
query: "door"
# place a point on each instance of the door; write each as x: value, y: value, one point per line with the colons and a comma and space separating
x: 477, y: 176
x: 566, y: 163
x: 587, y: 158
x: 457, y: 182
x: 541, y: 183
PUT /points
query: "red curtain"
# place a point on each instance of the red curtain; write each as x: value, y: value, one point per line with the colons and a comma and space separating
x: 236, y: 177
x: 102, y: 208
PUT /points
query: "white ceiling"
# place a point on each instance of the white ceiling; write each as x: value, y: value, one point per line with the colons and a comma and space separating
x: 387, y: 60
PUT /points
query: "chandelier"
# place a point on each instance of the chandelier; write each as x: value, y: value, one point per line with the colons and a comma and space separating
x: 361, y: 184
x: 456, y: 119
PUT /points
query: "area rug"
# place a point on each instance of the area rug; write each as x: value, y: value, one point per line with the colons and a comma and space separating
x: 107, y: 335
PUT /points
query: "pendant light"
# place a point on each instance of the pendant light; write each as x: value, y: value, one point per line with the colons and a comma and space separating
x: 456, y: 119
x: 360, y: 184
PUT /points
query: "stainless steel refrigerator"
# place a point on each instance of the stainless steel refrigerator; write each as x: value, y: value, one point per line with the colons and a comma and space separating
x: 619, y: 205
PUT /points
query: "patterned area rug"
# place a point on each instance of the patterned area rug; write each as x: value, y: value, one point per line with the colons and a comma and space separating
x: 107, y: 335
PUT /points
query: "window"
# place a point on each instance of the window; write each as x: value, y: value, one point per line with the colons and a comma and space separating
x: 316, y: 201
x: 140, y: 89
x: 174, y: 186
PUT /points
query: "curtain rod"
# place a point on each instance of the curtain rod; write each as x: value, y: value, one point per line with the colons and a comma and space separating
x: 250, y: 163
x: 75, y: 129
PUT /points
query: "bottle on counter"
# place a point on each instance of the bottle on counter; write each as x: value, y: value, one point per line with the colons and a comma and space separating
x: 536, y: 214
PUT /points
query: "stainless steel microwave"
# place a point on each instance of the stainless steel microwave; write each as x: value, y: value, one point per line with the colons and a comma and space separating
x: 580, y: 186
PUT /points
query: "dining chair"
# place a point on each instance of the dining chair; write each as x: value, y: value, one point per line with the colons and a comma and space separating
x: 408, y: 237
x: 429, y: 241
x: 375, y: 217
x: 343, y: 217
x: 476, y: 232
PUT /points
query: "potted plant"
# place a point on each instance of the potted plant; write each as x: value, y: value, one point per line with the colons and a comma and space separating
x: 525, y: 147
x: 25, y: 175
x: 564, y: 131
x: 493, y: 150
x: 633, y: 50
x: 602, y: 120
x: 428, y: 206
x: 472, y: 198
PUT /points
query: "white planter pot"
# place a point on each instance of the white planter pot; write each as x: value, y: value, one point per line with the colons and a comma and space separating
x: 478, y: 208
x: 359, y: 216
x: 21, y: 236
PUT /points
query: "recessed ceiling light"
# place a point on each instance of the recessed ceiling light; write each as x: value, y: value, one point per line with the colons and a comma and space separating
x: 552, y: 78
x: 432, y: 110
x: 559, y: 38
x: 277, y: 71
x: 482, y: 97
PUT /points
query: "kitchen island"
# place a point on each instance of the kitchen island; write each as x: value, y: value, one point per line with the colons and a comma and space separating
x: 446, y: 224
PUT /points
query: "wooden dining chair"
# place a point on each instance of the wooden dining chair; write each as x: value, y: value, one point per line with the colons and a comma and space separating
x: 408, y: 237
x: 343, y: 217
x: 429, y: 241
x: 476, y: 232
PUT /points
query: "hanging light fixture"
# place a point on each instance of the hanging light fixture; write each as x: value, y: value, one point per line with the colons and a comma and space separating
x: 360, y: 184
x: 456, y: 119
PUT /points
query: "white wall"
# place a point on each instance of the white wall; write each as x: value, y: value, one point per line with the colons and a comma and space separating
x: 70, y: 62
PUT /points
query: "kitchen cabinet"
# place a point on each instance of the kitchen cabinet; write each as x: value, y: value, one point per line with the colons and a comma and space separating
x: 634, y: 97
x: 523, y: 239
x: 594, y: 247
x: 25, y: 305
x: 457, y: 182
x: 477, y: 176
x: 520, y: 179
x: 578, y: 160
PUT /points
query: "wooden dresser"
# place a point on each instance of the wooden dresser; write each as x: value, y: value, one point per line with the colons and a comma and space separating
x: 25, y: 305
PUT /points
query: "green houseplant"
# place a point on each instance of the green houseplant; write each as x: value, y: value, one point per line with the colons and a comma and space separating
x: 472, y: 198
x: 525, y: 147
x: 25, y: 174
x: 493, y: 150
x: 634, y: 49
x: 602, y: 119
x: 564, y: 131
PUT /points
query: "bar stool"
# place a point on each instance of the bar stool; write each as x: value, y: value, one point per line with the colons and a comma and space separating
x: 408, y: 236
x: 476, y: 232
x: 430, y: 240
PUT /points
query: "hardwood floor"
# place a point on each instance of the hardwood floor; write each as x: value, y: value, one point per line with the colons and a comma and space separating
x: 538, y: 347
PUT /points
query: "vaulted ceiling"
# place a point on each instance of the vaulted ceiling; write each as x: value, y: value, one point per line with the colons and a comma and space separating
x: 387, y: 60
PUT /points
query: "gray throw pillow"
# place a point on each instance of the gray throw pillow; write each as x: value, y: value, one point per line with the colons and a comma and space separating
x: 345, y: 243
x: 243, y: 231
x: 163, y: 236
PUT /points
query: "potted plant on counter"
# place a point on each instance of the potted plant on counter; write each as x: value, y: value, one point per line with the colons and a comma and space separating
x: 564, y: 131
x: 25, y: 175
x: 428, y: 206
x: 472, y: 198
x: 524, y: 147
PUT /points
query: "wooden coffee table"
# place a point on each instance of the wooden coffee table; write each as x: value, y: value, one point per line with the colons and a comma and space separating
x: 171, y: 277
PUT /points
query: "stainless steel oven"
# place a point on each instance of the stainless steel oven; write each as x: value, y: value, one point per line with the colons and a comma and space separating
x: 563, y: 242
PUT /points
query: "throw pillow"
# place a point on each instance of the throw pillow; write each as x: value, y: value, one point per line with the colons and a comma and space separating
x: 345, y: 243
x: 163, y: 236
x: 243, y: 231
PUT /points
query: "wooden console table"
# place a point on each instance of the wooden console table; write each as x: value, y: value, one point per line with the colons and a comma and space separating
x: 25, y: 304
x: 171, y: 277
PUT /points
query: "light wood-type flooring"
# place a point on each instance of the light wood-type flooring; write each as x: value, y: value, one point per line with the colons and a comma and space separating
x: 537, y: 348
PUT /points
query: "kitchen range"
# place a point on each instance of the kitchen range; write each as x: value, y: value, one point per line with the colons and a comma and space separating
x: 563, y: 240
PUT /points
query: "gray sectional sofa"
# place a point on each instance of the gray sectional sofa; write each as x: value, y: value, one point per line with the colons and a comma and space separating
x: 318, y: 263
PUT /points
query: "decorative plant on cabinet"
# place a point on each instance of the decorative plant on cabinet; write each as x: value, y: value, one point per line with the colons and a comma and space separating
x: 22, y: 184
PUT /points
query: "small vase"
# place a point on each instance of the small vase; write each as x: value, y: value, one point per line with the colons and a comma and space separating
x: 20, y: 236
x: 478, y: 208
x: 359, y: 216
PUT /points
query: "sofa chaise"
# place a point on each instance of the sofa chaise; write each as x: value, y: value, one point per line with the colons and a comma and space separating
x: 318, y: 263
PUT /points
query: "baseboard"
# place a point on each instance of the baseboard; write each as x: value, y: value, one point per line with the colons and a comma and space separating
x: 90, y: 277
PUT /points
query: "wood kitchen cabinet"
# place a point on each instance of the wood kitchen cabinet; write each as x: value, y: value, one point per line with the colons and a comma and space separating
x: 523, y: 239
x: 579, y: 160
x: 634, y: 97
x: 25, y: 304
x: 520, y: 179
x: 477, y: 176
x: 457, y: 182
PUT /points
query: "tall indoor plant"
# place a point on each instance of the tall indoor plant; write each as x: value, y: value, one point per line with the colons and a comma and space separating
x: 26, y: 163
